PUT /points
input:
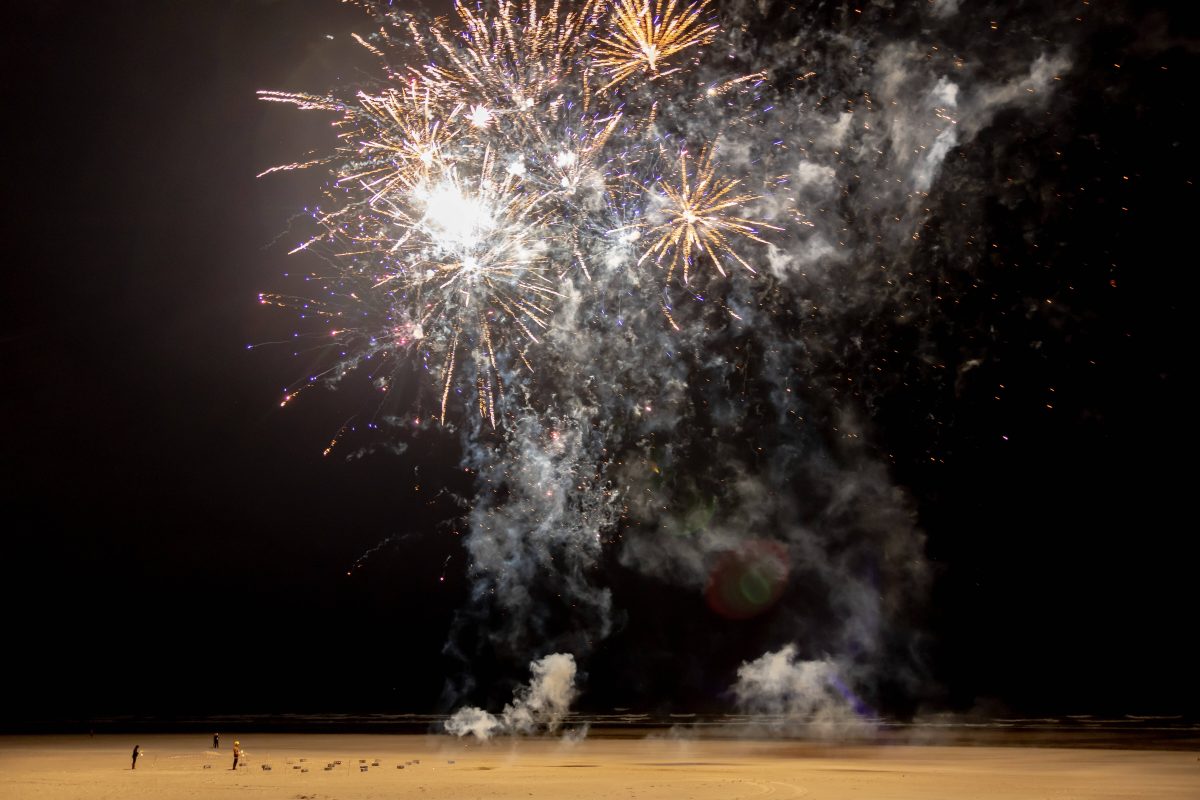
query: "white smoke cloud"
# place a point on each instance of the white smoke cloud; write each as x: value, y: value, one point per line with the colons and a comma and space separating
x: 474, y: 721
x: 836, y: 134
x: 968, y: 115
x: 811, y: 692
x: 1032, y: 88
x: 927, y: 168
x: 945, y: 93
x: 945, y: 8
x: 539, y: 706
x: 809, y: 174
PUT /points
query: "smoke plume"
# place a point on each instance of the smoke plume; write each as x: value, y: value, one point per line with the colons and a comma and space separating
x: 538, y: 707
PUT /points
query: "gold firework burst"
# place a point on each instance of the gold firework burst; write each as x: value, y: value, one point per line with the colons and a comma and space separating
x: 399, y: 136
x: 695, y: 210
x: 468, y: 189
x: 512, y: 58
x: 648, y: 32
x: 470, y: 261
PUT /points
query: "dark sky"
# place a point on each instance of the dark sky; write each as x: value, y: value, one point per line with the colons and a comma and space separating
x: 175, y: 542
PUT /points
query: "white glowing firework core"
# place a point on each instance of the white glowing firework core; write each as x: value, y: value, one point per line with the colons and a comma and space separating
x: 455, y: 221
x: 480, y: 116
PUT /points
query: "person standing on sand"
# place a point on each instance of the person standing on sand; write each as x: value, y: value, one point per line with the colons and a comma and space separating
x: 136, y: 753
x: 216, y: 742
x: 237, y: 752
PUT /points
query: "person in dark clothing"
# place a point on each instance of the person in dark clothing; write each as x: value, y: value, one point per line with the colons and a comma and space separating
x: 216, y: 742
x: 136, y: 753
x: 237, y: 752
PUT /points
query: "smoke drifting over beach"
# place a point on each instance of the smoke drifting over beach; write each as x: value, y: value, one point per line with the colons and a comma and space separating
x: 717, y: 434
x: 814, y: 694
x: 538, y: 707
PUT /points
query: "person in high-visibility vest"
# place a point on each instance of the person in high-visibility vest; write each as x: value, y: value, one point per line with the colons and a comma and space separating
x: 237, y: 752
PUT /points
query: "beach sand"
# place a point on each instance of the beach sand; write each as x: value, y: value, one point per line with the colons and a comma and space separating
x: 173, y: 766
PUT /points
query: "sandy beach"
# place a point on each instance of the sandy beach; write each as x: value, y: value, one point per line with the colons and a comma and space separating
x: 175, y: 766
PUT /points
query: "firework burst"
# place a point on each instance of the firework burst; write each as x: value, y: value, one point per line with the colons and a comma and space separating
x: 644, y: 36
x: 476, y: 188
x: 695, y: 209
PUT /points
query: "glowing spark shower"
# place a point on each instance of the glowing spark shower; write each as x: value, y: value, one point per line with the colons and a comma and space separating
x: 472, y: 191
x: 694, y: 209
x: 645, y: 36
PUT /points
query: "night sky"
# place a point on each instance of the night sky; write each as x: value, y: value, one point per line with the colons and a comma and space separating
x: 175, y: 542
